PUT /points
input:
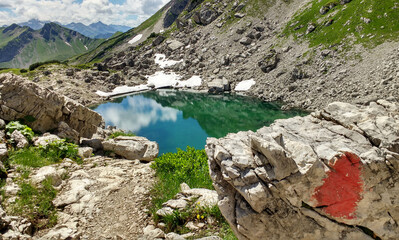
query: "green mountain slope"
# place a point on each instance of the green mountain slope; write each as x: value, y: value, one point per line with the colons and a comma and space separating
x: 369, y: 22
x: 22, y: 46
x: 108, y: 46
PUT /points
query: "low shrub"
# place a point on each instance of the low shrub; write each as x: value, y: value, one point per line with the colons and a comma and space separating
x: 38, y: 64
x: 25, y: 130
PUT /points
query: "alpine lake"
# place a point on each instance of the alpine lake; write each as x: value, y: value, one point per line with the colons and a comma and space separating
x: 177, y: 119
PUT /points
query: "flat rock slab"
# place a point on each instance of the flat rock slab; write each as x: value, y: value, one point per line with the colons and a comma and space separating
x: 335, y: 172
x: 132, y: 148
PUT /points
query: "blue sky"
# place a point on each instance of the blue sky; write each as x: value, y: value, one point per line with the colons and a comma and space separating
x: 122, y: 12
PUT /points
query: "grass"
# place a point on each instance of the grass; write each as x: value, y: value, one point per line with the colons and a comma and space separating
x: 347, y: 27
x: 172, y: 169
x: 120, y: 133
x: 191, y: 167
x: 35, y: 204
x: 42, y: 156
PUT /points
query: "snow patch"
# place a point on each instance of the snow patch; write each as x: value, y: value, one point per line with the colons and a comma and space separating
x: 122, y: 90
x: 136, y: 38
x: 161, y: 31
x: 67, y: 43
x: 86, y: 47
x: 194, y: 81
x: 244, y: 85
x: 157, y: 80
x: 161, y: 60
x: 162, y: 79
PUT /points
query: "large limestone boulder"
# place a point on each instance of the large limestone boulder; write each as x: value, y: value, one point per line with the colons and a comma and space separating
x: 329, y: 175
x: 132, y: 148
x: 21, y: 99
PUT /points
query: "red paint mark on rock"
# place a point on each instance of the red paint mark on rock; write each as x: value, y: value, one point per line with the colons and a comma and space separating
x: 342, y: 188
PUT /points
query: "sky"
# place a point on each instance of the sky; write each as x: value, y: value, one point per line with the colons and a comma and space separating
x: 121, y: 12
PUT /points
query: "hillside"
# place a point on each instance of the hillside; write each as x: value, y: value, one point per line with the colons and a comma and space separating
x: 22, y: 46
x: 305, y: 53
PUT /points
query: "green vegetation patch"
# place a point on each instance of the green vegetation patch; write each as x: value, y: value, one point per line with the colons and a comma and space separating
x: 42, y: 156
x: 172, y: 169
x: 25, y: 130
x: 191, y: 167
x: 366, y: 22
x: 35, y: 204
x: 120, y: 133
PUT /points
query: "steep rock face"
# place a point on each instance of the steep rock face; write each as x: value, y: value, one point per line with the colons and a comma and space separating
x: 20, y: 99
x: 330, y: 175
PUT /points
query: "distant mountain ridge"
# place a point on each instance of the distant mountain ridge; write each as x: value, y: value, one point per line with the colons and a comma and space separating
x: 94, y: 30
x: 22, y: 46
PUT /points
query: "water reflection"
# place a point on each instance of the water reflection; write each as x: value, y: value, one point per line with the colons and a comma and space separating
x: 177, y: 119
x: 136, y: 112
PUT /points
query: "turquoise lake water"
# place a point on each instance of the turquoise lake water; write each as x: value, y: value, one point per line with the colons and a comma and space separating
x: 177, y: 119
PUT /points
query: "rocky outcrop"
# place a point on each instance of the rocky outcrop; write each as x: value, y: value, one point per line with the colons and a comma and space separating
x: 330, y: 175
x: 20, y: 99
x: 133, y: 148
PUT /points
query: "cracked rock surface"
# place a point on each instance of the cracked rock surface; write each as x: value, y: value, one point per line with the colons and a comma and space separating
x: 21, y: 99
x: 330, y: 175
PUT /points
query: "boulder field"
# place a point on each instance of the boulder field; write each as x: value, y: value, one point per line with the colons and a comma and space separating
x: 330, y: 175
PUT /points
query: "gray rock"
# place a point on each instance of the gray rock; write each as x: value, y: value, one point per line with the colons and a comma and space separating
x: 239, y: 15
x: 285, y: 173
x: 64, y: 131
x: 269, y: 61
x: 345, y: 1
x: 85, y: 152
x: 158, y: 40
x: 48, y: 172
x: 311, y: 28
x: 3, y: 152
x: 259, y: 28
x: 95, y: 143
x: 152, y: 233
x: 205, y: 16
x: 19, y: 139
x: 62, y: 232
x: 69, y: 72
x: 240, y: 30
x: 132, y: 148
x: 246, y: 41
x: 45, y: 139
x: 2, y: 124
x: 365, y: 20
x: 174, y: 45
x: 53, y: 108
x: 219, y: 86
x: 174, y: 236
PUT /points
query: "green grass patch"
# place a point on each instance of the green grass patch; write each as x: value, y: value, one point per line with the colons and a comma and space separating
x: 35, y: 204
x: 120, y: 133
x: 343, y: 24
x: 191, y: 167
x: 41, y: 156
x: 172, y: 169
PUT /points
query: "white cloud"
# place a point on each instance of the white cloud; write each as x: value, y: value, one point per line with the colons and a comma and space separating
x: 140, y: 111
x: 130, y: 12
